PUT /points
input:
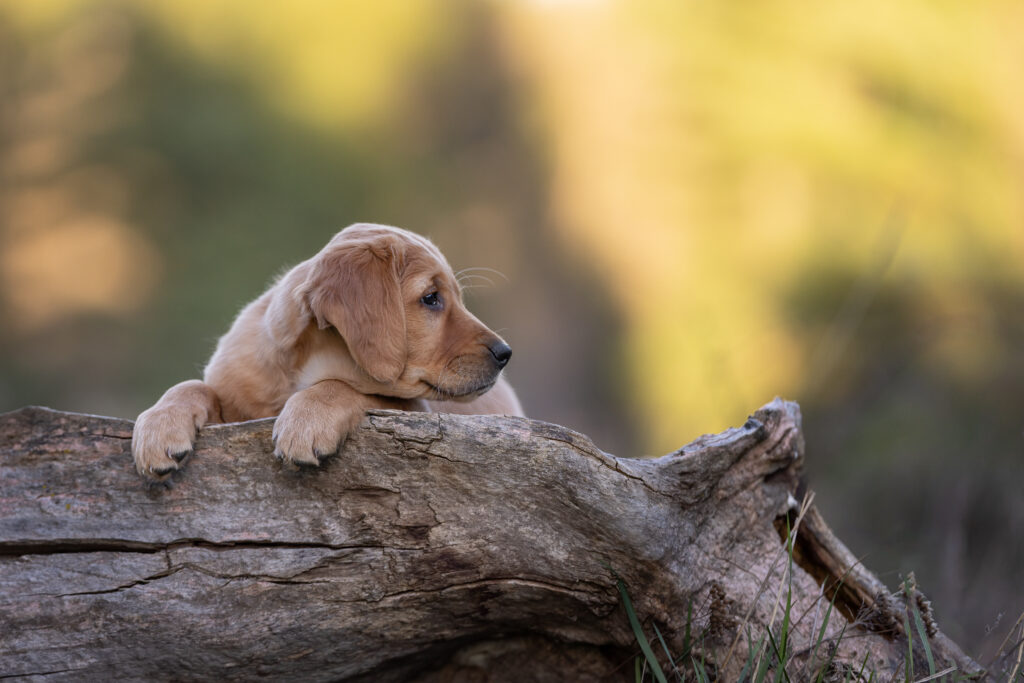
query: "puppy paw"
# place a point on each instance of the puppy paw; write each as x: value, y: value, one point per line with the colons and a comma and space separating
x: 163, y: 437
x: 308, y: 430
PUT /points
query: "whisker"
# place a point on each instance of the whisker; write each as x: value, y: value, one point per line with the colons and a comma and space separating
x: 478, y: 276
x: 484, y: 269
x: 465, y: 281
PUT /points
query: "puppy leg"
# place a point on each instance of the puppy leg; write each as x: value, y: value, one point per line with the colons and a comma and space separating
x: 316, y: 421
x: 166, y: 433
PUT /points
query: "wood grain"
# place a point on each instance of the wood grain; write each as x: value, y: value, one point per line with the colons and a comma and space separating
x: 433, y: 547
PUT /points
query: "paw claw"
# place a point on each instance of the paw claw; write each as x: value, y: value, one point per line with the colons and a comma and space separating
x: 157, y: 484
x: 180, y: 455
x: 308, y: 459
x: 296, y: 443
x: 314, y: 425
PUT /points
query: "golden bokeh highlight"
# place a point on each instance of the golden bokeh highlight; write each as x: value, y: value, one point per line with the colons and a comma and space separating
x: 707, y: 155
x: 90, y: 265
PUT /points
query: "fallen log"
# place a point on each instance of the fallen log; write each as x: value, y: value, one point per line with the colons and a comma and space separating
x: 434, y: 547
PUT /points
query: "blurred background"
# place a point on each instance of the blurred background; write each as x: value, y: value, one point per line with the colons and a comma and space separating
x: 693, y: 206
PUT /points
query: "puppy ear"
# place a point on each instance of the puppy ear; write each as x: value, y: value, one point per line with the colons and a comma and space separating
x: 356, y: 288
x: 287, y: 315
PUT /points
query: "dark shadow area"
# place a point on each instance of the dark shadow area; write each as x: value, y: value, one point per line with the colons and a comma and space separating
x: 918, y: 464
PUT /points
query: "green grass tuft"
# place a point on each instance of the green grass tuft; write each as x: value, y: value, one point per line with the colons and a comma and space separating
x: 770, y: 657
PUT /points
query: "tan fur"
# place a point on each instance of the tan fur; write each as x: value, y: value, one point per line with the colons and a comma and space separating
x: 341, y: 333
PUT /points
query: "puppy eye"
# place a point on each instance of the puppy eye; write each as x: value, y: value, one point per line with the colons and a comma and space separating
x: 432, y: 300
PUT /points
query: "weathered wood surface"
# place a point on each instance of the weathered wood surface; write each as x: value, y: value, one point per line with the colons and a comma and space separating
x: 434, y: 547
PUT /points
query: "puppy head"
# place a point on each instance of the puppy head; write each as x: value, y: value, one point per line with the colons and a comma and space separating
x: 393, y: 298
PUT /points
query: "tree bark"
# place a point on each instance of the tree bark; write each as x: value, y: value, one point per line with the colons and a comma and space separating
x: 434, y: 547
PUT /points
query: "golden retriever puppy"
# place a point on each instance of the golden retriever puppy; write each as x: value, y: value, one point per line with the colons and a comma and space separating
x: 375, y: 320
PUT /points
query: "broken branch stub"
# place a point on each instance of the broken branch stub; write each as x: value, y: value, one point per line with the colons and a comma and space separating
x: 436, y: 547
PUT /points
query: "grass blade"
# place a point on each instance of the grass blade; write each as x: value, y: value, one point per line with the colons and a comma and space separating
x: 762, y: 667
x: 831, y: 656
x: 821, y: 638
x: 937, y: 676
x: 921, y: 633
x: 667, y: 653
x: 863, y: 665
x: 699, y: 670
x: 780, y: 673
x: 751, y: 654
x: 686, y: 634
x: 638, y: 631
x: 910, y: 648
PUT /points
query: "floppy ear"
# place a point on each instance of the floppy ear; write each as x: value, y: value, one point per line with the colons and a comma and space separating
x: 355, y: 287
x: 287, y: 314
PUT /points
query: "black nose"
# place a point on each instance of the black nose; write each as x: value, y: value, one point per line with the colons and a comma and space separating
x: 501, y: 352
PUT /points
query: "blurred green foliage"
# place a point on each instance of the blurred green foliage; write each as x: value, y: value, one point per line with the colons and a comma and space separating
x: 697, y: 206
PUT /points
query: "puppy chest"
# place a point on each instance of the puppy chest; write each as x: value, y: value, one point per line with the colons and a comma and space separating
x: 325, y: 364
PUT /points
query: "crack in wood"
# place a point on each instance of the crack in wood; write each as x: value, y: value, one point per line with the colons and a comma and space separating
x: 67, y: 546
x: 28, y: 674
x: 512, y: 581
